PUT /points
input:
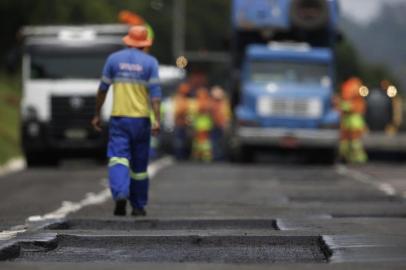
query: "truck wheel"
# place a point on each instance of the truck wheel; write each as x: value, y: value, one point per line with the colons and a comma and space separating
x: 325, y: 156
x: 242, y: 155
x: 379, y: 110
x: 40, y: 159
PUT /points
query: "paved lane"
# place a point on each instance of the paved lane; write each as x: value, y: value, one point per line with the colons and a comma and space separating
x: 39, y: 191
x: 224, y: 213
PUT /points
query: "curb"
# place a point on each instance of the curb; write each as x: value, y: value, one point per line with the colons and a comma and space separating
x: 13, y: 165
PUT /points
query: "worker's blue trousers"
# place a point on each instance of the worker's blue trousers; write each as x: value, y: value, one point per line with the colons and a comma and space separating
x: 128, y: 151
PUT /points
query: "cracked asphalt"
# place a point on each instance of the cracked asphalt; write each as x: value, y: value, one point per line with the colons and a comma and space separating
x: 212, y: 216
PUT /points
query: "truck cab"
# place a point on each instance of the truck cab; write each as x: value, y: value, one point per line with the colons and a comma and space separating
x: 62, y: 67
x: 284, y: 76
x: 61, y: 72
x: 286, y: 98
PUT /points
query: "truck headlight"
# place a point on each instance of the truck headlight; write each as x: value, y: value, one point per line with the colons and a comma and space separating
x: 30, y: 113
x: 33, y: 129
x: 315, y: 108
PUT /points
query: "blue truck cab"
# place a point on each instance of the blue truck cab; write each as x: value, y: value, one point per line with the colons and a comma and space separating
x: 286, y: 77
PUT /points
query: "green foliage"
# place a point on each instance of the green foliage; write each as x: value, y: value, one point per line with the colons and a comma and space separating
x: 350, y: 64
x: 9, y: 117
x: 381, y: 43
x: 207, y: 22
x: 208, y: 25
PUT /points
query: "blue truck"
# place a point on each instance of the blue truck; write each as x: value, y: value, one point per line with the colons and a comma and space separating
x: 284, y: 77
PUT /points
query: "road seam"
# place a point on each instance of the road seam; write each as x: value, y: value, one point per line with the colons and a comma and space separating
x: 90, y: 199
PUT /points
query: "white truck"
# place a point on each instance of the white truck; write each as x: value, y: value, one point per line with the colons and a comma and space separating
x: 61, y: 71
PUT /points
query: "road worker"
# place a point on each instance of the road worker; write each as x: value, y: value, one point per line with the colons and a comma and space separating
x: 221, y: 116
x: 182, y: 118
x: 134, y: 75
x: 352, y: 106
x: 202, y: 125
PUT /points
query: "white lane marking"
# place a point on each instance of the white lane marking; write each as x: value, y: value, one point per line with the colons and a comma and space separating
x: 94, y: 199
x: 385, y: 187
x: 90, y: 199
x: 7, y: 235
x: 14, y: 165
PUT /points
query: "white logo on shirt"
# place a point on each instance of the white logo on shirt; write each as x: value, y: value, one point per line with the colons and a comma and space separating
x: 131, y: 67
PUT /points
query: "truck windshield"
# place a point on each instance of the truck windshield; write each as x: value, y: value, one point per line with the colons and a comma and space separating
x: 66, y: 65
x: 288, y: 72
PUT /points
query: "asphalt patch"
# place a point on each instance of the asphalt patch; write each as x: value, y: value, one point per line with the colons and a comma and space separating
x: 179, y: 249
x: 154, y: 224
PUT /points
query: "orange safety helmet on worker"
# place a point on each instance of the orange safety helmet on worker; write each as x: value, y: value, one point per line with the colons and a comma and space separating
x: 134, y: 76
x: 133, y: 19
x: 352, y: 107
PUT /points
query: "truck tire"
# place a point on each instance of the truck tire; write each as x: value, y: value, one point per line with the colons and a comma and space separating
x: 242, y: 155
x: 40, y: 159
x: 309, y: 15
x: 325, y: 156
x: 379, y: 110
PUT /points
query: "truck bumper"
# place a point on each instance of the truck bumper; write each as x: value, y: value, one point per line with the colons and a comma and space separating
x: 43, y: 141
x: 287, y: 138
x: 380, y: 141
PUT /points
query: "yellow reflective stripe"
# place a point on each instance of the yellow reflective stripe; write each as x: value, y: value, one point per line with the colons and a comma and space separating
x: 130, y: 80
x: 139, y: 176
x: 116, y: 160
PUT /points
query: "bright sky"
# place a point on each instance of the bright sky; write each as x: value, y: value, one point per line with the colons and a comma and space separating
x: 363, y: 11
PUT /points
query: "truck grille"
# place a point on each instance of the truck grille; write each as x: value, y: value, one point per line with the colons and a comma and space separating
x: 71, y: 116
x: 303, y: 108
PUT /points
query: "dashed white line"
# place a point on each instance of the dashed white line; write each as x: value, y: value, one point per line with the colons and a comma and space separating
x: 90, y: 199
x: 386, y: 188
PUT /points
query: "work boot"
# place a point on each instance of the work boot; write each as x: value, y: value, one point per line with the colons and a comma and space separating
x: 139, y: 212
x: 120, y: 209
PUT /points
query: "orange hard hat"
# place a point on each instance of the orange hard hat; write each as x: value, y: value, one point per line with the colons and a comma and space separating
x: 350, y: 88
x: 138, y: 37
x: 184, y: 88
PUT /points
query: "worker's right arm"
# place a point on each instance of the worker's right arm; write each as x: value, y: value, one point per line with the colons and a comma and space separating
x: 155, y: 93
x: 104, y: 86
x: 100, y: 98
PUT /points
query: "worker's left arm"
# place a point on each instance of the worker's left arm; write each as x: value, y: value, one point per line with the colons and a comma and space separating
x: 155, y: 95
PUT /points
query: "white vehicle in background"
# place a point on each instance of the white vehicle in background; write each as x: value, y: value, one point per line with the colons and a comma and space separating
x: 62, y: 67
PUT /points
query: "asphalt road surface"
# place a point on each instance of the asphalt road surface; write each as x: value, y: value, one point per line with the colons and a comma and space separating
x: 208, y: 216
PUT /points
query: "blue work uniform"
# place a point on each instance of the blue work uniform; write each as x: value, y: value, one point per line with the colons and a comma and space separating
x: 135, y: 80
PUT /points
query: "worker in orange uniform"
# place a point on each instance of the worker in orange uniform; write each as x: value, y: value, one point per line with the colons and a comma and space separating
x: 352, y: 106
x: 221, y: 116
x: 203, y: 124
x: 181, y: 103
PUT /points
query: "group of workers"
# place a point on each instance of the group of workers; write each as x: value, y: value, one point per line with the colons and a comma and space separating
x: 201, y: 116
x: 201, y: 119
